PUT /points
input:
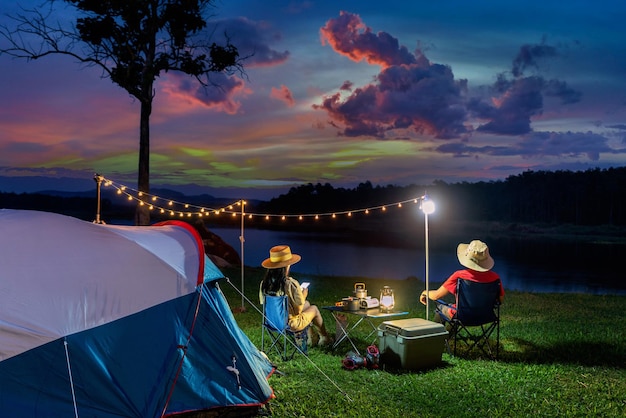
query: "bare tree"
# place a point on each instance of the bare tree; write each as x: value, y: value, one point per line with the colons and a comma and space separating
x: 132, y: 41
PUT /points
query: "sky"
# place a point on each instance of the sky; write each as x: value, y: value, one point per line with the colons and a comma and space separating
x: 341, y: 92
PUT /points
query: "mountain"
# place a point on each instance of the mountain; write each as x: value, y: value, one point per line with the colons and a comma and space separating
x: 86, y: 186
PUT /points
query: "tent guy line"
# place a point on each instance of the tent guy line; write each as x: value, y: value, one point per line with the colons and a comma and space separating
x: 256, y: 308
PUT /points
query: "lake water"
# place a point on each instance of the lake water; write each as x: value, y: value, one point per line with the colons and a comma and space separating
x: 528, y: 265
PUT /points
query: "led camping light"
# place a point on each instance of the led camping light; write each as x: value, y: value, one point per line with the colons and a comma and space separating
x: 387, y: 299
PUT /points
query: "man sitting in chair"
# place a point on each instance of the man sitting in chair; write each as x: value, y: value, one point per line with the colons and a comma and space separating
x: 475, y: 257
x: 278, y: 282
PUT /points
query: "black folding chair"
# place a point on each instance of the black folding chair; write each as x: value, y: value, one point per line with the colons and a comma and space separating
x: 477, y: 316
x: 276, y: 333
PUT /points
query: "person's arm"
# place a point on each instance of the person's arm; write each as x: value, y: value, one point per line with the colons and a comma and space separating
x: 297, y: 296
x: 261, y: 295
x: 433, y: 294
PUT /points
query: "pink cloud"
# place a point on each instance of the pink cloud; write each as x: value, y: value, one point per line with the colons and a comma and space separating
x: 283, y: 94
x: 349, y: 36
x: 409, y: 93
x: 186, y: 93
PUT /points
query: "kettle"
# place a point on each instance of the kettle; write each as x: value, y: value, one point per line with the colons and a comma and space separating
x: 359, y: 291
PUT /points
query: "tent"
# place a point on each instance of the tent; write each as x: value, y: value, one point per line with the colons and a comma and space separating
x: 117, y: 321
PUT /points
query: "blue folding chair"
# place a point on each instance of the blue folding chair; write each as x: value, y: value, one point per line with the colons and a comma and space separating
x: 276, y: 333
x: 477, y: 316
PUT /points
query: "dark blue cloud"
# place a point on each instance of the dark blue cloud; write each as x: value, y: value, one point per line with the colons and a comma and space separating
x: 253, y: 40
x: 540, y: 144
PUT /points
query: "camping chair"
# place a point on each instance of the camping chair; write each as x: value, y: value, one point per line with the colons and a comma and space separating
x: 279, y: 336
x: 477, y: 316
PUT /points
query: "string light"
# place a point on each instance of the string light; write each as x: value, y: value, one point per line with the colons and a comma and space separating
x: 182, y: 209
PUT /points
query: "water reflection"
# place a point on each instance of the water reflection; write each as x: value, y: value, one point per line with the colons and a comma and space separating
x: 530, y: 265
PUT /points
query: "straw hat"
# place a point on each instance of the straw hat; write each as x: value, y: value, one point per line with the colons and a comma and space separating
x: 280, y: 256
x: 475, y: 256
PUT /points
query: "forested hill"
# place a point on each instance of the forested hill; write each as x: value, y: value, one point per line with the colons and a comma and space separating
x: 586, y: 198
x: 592, y: 197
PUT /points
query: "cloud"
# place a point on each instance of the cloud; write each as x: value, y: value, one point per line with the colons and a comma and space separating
x: 409, y: 93
x: 413, y: 93
x: 253, y: 40
x: 572, y: 144
x: 540, y: 144
x: 517, y: 100
x: 511, y: 112
x: 620, y: 126
x: 529, y: 55
x: 561, y: 90
x: 219, y: 97
x: 283, y: 94
x: 349, y: 36
x: 347, y: 85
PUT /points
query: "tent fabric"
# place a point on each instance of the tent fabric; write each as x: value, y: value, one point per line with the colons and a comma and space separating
x: 111, y: 321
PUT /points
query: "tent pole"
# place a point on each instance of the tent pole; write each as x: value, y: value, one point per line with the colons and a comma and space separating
x: 69, y: 371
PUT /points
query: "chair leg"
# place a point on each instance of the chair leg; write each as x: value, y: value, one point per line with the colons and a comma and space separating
x: 497, y: 339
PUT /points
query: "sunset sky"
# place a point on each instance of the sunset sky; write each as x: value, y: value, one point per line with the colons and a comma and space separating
x: 341, y: 92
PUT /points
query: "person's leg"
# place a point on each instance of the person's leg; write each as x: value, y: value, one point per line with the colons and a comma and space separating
x: 446, y: 311
x: 314, y: 316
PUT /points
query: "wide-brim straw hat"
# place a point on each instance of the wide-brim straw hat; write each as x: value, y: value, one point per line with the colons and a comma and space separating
x: 280, y: 256
x: 475, y: 256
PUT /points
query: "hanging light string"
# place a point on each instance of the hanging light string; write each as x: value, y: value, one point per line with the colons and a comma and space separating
x: 176, y: 208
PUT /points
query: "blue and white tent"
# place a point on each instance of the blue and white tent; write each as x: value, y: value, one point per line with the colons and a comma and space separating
x: 116, y: 321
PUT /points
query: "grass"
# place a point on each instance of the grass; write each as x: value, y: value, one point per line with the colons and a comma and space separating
x: 560, y: 355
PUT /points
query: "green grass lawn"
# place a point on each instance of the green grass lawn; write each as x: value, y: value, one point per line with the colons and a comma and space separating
x: 560, y: 355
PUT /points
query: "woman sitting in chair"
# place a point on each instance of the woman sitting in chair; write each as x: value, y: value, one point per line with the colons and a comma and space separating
x: 475, y: 257
x: 278, y: 282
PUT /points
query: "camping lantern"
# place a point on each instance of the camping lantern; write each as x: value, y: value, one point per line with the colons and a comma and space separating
x: 387, y: 299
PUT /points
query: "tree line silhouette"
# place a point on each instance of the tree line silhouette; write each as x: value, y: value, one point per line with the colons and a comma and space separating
x: 592, y: 197
x: 587, y: 198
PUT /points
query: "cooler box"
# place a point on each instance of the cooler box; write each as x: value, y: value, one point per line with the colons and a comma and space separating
x: 412, y: 343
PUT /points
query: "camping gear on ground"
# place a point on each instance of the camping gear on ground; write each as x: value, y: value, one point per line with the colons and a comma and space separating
x: 111, y: 321
x: 354, y: 360
x: 412, y: 343
x: 359, y: 291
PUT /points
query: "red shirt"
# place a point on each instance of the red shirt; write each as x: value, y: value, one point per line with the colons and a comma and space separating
x: 473, y: 275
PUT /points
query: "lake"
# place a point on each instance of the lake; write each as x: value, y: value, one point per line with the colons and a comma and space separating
x: 528, y: 264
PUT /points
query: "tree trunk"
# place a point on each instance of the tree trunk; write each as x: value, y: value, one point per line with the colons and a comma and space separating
x: 142, y: 213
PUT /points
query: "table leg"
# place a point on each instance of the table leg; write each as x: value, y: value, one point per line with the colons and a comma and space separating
x: 345, y: 331
x: 369, y: 321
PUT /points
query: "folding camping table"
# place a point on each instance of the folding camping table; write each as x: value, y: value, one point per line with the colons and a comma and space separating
x: 364, y: 315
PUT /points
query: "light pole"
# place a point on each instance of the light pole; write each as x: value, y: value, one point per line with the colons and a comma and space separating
x: 242, y: 239
x: 428, y: 207
x: 98, y: 179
